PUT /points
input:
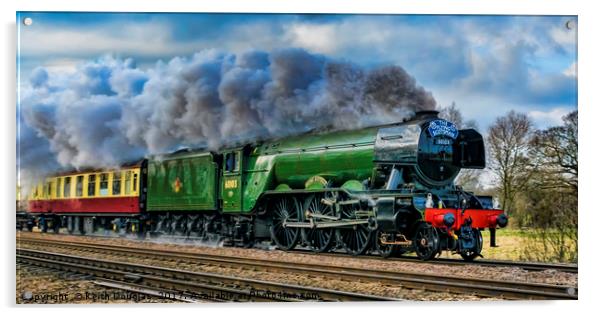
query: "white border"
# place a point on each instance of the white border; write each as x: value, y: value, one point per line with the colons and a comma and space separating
x: 590, y: 104
x: 311, y: 6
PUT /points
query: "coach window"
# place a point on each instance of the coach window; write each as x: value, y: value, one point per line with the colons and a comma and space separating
x: 116, y: 183
x: 104, y: 184
x: 67, y: 187
x: 91, y: 185
x: 48, y: 186
x: 79, y: 186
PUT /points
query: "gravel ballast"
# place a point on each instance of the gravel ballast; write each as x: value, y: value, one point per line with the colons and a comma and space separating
x: 500, y: 273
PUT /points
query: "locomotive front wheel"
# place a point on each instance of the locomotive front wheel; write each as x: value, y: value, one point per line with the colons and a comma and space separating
x: 426, y: 242
x: 319, y: 240
x: 470, y: 255
x: 285, y: 209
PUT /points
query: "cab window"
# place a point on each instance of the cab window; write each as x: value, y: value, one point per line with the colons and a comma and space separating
x: 231, y: 164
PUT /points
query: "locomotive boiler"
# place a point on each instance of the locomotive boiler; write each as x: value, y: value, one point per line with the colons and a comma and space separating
x: 385, y: 189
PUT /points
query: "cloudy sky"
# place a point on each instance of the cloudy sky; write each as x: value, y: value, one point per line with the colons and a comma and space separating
x: 486, y: 64
x: 92, y: 83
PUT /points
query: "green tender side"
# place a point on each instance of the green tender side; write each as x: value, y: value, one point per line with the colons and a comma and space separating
x: 336, y: 157
x: 182, y: 182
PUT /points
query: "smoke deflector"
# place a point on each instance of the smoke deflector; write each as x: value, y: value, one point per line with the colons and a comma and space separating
x: 469, y: 150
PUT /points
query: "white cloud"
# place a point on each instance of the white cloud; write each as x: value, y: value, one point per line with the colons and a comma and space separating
x: 321, y: 38
x: 553, y: 117
x: 430, y: 54
x: 484, y: 108
x: 63, y: 65
x: 571, y: 71
x: 141, y: 39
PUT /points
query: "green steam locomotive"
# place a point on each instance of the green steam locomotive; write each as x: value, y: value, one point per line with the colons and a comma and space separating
x: 386, y: 189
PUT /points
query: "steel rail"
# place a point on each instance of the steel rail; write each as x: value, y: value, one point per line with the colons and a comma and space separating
x: 530, y: 266
x: 462, y: 285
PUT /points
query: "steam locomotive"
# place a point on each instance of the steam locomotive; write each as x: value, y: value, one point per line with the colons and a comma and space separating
x: 387, y: 189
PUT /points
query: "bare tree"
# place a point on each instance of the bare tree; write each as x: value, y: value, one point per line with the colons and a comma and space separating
x: 509, y: 143
x: 556, y: 152
x: 452, y: 113
x: 551, y: 198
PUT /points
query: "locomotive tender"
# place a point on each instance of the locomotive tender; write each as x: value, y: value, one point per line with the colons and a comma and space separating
x: 386, y: 188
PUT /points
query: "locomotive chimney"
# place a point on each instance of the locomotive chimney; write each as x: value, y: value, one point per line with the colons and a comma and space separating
x: 423, y: 115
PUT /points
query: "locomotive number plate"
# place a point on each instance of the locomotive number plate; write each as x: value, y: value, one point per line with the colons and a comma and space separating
x: 231, y: 184
x: 443, y: 141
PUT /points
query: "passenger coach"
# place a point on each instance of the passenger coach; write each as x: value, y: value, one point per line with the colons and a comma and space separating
x: 75, y: 196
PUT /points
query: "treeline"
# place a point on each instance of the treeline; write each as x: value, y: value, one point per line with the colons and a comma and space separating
x: 534, y: 175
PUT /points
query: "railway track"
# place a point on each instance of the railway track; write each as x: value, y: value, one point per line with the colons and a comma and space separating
x: 184, y: 285
x: 38, y: 268
x: 431, y: 282
x: 529, y: 266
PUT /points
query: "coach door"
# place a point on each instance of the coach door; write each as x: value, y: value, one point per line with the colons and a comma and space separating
x: 232, y: 180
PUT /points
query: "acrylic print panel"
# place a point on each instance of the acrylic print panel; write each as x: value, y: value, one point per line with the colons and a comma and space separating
x: 192, y: 157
